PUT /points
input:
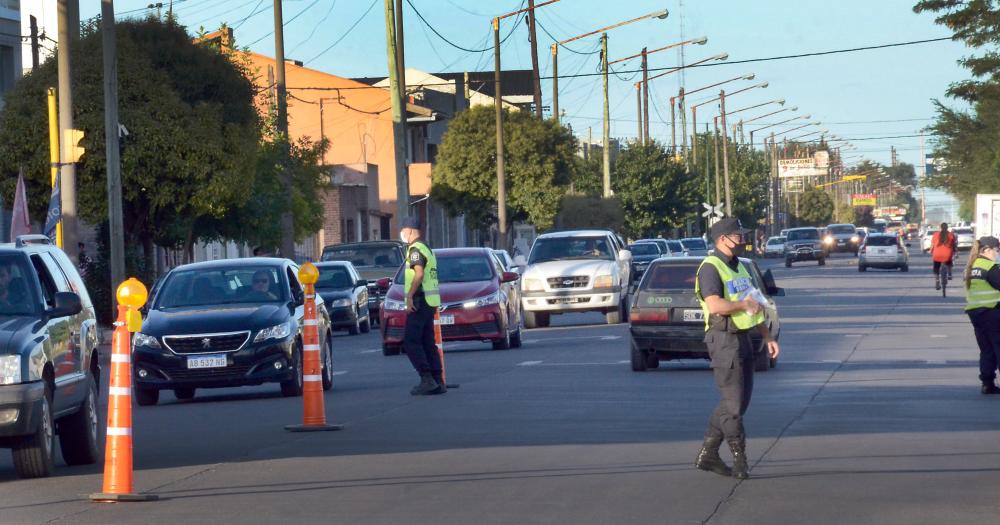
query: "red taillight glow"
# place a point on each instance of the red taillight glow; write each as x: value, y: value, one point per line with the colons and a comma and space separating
x: 656, y: 315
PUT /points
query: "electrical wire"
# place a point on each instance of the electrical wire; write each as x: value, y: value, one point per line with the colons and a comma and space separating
x: 253, y: 12
x: 339, y: 100
x: 564, y: 46
x: 456, y: 46
x: 315, y: 27
x: 285, y: 24
x: 349, y: 29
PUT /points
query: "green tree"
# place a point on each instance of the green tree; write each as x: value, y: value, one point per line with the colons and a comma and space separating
x: 815, y: 207
x: 589, y: 179
x: 845, y: 213
x: 540, y: 162
x: 656, y: 193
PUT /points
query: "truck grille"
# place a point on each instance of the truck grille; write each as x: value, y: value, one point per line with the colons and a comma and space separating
x: 579, y: 281
x: 206, y: 343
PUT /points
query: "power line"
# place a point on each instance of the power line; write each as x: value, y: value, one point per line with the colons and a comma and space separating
x: 349, y: 29
x: 456, y: 46
x: 290, y: 20
x: 315, y: 27
x: 564, y: 46
x: 253, y: 12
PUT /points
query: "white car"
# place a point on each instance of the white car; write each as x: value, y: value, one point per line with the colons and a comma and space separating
x: 883, y: 250
x: 965, y: 237
x: 775, y: 247
x: 575, y: 271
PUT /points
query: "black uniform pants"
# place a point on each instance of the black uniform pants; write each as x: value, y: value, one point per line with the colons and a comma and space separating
x: 732, y: 365
x: 986, y: 323
x: 418, y: 339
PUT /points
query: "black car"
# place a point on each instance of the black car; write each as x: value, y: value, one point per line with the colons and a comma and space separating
x: 803, y: 244
x: 666, y: 320
x: 49, y: 369
x: 226, y: 323
x: 841, y: 238
x: 345, y: 294
x: 644, y: 253
x: 376, y: 261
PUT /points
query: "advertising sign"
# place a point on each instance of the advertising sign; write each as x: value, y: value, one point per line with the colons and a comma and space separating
x: 864, y: 199
x: 805, y: 167
x: 890, y: 211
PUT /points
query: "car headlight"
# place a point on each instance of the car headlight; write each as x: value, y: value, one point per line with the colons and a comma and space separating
x: 10, y: 369
x: 280, y: 331
x: 340, y: 303
x: 828, y: 240
x: 532, y: 285
x: 393, y: 305
x: 855, y: 238
x: 603, y: 281
x: 141, y: 339
x: 479, y: 302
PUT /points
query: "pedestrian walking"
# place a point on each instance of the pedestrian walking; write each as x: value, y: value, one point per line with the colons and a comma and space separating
x: 422, y: 299
x: 982, y: 285
x: 943, y: 247
x: 732, y: 308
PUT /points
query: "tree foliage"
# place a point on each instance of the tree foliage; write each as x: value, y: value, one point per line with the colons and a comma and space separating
x: 656, y: 193
x: 540, y: 162
x: 815, y: 208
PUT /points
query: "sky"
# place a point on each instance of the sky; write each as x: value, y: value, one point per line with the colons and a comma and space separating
x: 860, y: 95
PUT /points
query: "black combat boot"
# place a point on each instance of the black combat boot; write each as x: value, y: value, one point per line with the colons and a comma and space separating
x: 427, y: 385
x: 442, y: 387
x: 740, y: 468
x: 708, y: 457
x: 990, y: 388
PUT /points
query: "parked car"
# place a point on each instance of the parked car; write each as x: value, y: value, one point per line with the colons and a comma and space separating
x: 695, y: 246
x: 49, y: 369
x: 841, y: 238
x: 345, y: 295
x: 575, y: 271
x: 803, y: 244
x: 644, y: 253
x: 677, y: 248
x: 964, y: 238
x: 774, y: 247
x: 507, y: 262
x: 479, y: 301
x: 667, y: 322
x: 884, y: 250
x: 226, y: 323
x: 374, y: 260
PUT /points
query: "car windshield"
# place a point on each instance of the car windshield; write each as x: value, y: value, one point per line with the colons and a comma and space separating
x: 776, y: 240
x: 334, y: 277
x: 671, y: 277
x: 458, y: 269
x: 226, y: 285
x: 963, y: 231
x: 378, y: 255
x: 841, y: 229
x: 645, y: 248
x: 803, y: 235
x: 675, y: 246
x: 16, y: 295
x: 568, y: 248
x: 694, y: 244
x: 882, y: 240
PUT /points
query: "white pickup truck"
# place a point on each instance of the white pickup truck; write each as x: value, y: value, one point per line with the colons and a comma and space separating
x: 575, y: 271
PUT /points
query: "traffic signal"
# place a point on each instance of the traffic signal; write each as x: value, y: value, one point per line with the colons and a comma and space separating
x: 72, y: 147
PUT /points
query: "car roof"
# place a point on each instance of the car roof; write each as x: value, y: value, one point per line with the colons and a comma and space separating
x: 363, y: 243
x: 575, y: 233
x: 229, y: 263
x: 802, y: 228
x: 840, y: 224
x: 322, y: 264
x: 458, y: 252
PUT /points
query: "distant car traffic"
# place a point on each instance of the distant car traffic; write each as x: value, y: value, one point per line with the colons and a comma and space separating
x: 666, y: 248
x: 576, y: 271
x: 695, y: 246
x: 479, y: 301
x: 676, y: 248
x: 964, y: 238
x: 345, y: 295
x: 644, y: 253
x: 774, y: 247
x: 841, y: 238
x: 885, y: 251
x: 225, y: 323
x: 374, y: 260
x: 49, y: 368
x: 803, y: 244
x: 666, y: 320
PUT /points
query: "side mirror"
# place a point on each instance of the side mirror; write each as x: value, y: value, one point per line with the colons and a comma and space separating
x: 362, y: 282
x: 299, y: 296
x: 384, y: 283
x: 509, y: 277
x: 520, y: 261
x: 65, y: 305
x: 624, y: 255
x: 771, y: 287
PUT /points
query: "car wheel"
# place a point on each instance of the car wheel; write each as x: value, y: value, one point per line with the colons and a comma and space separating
x: 293, y: 387
x: 515, y: 338
x: 328, y: 364
x: 625, y: 311
x: 367, y: 325
x: 822, y: 261
x: 78, y: 433
x: 388, y: 350
x: 146, y: 397
x: 762, y: 361
x: 652, y: 360
x: 788, y: 263
x: 502, y: 343
x: 904, y: 268
x: 535, y: 320
x: 184, y: 394
x: 613, y: 316
x: 33, y: 454
x: 862, y: 268
x: 356, y: 329
x: 638, y: 358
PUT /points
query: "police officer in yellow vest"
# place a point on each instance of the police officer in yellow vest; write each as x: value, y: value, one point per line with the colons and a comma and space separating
x: 422, y: 298
x: 982, y: 284
x: 732, y: 307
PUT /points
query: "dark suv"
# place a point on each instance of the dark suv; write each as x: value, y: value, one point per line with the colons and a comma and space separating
x: 49, y: 370
x: 803, y: 244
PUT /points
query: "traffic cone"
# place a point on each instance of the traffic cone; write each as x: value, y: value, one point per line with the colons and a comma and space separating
x: 314, y: 413
x: 439, y: 342
x: 118, y: 444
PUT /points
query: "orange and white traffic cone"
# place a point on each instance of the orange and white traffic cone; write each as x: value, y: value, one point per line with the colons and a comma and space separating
x: 314, y: 412
x: 439, y: 342
x: 118, y: 445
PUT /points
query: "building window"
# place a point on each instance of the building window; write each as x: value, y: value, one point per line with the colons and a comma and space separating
x: 6, y: 68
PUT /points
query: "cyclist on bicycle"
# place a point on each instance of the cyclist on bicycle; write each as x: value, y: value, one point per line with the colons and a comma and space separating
x: 943, y: 247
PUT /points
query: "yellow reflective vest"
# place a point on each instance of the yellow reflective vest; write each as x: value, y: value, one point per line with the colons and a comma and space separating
x: 738, y: 285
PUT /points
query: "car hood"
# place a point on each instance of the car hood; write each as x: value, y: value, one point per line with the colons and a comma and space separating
x: 331, y: 294
x: 452, y: 292
x: 213, y: 319
x: 374, y: 273
x: 645, y: 258
x: 588, y: 267
x: 10, y: 331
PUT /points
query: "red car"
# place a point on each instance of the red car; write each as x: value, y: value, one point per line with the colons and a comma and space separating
x: 479, y: 301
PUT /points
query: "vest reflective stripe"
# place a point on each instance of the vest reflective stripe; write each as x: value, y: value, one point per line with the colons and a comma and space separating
x: 430, y: 283
x: 981, y: 293
x: 737, y: 286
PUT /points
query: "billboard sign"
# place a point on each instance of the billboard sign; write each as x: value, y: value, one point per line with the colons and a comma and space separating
x: 864, y: 199
x: 805, y: 167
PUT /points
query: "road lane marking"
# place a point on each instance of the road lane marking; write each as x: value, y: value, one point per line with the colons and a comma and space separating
x: 854, y: 335
x: 610, y: 337
x: 372, y: 351
x: 340, y: 372
x: 938, y: 336
x: 529, y: 363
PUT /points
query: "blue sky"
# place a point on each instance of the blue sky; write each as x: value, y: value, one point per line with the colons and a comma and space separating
x: 847, y: 92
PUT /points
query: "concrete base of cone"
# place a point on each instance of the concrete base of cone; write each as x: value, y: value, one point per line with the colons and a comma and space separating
x: 115, y: 498
x: 313, y: 428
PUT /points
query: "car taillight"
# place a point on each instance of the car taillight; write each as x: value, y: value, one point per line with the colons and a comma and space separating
x: 654, y: 315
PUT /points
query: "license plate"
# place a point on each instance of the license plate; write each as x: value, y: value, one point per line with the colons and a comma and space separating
x: 207, y: 361
x: 447, y: 319
x: 805, y: 250
x: 693, y: 316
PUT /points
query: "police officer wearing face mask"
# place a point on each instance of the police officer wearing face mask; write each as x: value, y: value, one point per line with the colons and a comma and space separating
x: 422, y: 299
x: 732, y: 307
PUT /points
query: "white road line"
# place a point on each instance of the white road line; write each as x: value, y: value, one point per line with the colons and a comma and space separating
x: 938, y: 336
x: 529, y: 363
x: 372, y: 351
x: 340, y: 372
x: 610, y: 337
x: 854, y: 335
x: 937, y: 362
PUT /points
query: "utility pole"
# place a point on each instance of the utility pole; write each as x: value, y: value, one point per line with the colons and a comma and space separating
x: 34, y: 41
x: 401, y: 78
x: 65, y: 92
x: 535, y: 76
x: 398, y: 138
x: 607, y: 118
x: 718, y: 184
x: 555, y: 82
x: 74, y: 19
x: 111, y: 143
x: 708, y: 180
x: 684, y: 134
x: 645, y: 98
x: 322, y: 129
x: 498, y: 104
x: 673, y: 127
x: 725, y: 154
x: 640, y: 138
x: 287, y: 219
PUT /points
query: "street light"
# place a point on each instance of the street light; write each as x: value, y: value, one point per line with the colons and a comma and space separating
x: 725, y: 143
x: 694, y: 108
x: 809, y: 134
x: 742, y: 122
x: 694, y: 112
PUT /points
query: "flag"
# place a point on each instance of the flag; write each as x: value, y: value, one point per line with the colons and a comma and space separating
x: 54, y: 214
x: 20, y: 224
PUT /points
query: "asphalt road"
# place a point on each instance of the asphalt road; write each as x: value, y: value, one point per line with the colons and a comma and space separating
x: 872, y: 416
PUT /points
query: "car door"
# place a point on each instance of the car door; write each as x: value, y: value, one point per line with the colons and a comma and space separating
x: 63, y: 334
x: 770, y: 307
x: 359, y: 294
x: 510, y: 292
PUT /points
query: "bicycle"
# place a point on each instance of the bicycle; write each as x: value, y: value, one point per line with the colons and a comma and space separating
x: 942, y: 279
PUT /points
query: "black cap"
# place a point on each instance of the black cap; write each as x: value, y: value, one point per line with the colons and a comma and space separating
x: 988, y: 242
x: 727, y: 226
x: 410, y: 222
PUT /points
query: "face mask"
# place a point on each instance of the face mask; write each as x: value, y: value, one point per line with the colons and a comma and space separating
x: 739, y: 249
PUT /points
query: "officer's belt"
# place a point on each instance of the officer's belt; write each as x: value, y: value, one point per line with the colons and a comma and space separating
x: 724, y: 323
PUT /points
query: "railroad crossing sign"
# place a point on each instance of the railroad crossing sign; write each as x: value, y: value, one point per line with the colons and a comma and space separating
x: 712, y: 211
